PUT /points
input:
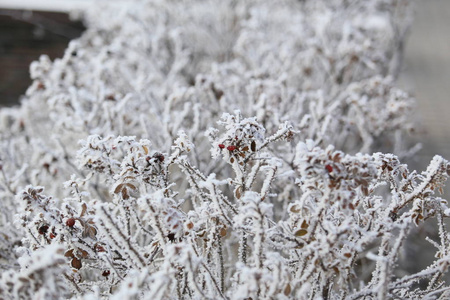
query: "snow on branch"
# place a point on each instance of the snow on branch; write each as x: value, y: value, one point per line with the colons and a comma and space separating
x: 221, y: 150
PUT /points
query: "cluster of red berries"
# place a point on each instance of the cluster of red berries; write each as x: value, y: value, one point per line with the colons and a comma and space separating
x: 229, y: 148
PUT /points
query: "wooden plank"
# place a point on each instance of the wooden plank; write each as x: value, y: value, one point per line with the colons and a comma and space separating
x: 46, y: 5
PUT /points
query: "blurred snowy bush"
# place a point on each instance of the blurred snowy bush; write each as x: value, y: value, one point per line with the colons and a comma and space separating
x: 219, y: 150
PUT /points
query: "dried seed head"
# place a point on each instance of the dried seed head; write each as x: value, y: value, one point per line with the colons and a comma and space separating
x: 43, y: 229
x: 171, y: 237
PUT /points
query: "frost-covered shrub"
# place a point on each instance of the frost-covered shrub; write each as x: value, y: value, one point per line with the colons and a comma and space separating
x: 219, y: 150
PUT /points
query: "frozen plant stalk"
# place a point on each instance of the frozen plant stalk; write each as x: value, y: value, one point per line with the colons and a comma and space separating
x: 192, y: 151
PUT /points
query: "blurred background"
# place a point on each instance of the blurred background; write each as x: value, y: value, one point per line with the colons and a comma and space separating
x: 25, y: 35
x: 426, y: 74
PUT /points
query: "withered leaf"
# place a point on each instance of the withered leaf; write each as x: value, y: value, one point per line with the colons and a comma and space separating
x: 365, y: 190
x: 287, y: 290
x: 89, y: 231
x: 69, y: 253
x: 130, y: 186
x: 295, y: 209
x: 118, y: 188
x: 25, y: 280
x: 304, y: 225
x: 301, y: 232
x: 238, y: 192
x: 83, y: 209
x: 125, y: 194
x: 76, y: 263
x: 81, y: 253
x: 336, y: 157
x: 145, y: 149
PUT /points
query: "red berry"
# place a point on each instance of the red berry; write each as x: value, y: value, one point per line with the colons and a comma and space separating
x: 70, y: 222
x: 106, y: 273
x: 231, y: 148
x: 221, y: 146
x: 52, y: 235
x: 329, y: 168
